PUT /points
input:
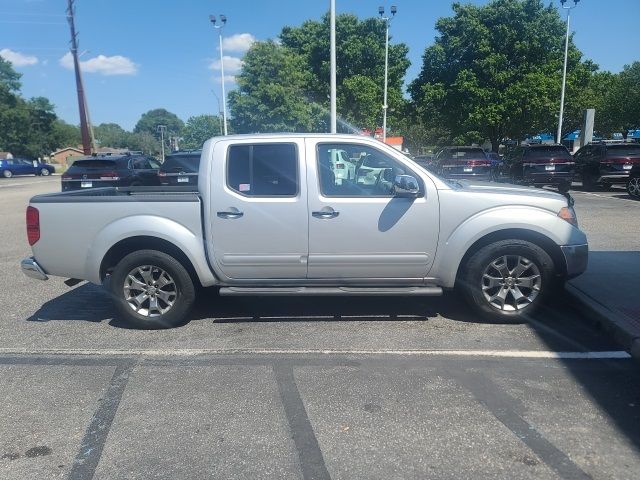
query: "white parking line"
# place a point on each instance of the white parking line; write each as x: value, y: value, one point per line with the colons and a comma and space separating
x: 191, y: 352
x: 608, y: 197
x: 35, y: 182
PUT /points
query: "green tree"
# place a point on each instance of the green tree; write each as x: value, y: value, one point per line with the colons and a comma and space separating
x: 286, y: 86
x: 65, y: 134
x: 271, y: 94
x: 111, y: 135
x: 199, y: 129
x: 624, y: 98
x: 494, y: 71
x: 360, y: 48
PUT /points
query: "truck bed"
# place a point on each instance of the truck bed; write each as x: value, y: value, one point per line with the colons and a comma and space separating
x: 78, y: 227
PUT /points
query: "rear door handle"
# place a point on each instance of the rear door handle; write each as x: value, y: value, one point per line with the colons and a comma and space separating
x: 230, y: 215
x: 325, y: 214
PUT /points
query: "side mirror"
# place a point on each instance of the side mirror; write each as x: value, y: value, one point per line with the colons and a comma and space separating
x: 406, y: 186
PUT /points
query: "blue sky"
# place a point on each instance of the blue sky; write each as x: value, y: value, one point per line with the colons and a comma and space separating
x: 143, y: 54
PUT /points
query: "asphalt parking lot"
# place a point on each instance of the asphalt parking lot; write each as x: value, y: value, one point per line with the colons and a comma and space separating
x: 310, y: 388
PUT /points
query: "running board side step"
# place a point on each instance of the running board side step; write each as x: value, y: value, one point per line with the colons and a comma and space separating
x: 331, y: 291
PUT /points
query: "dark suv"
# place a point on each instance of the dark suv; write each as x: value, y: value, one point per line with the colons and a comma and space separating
x: 540, y: 165
x: 111, y: 171
x: 180, y: 169
x: 633, y: 183
x: 606, y: 164
x: 463, y: 162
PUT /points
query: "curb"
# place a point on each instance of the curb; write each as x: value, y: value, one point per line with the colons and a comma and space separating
x: 610, y: 321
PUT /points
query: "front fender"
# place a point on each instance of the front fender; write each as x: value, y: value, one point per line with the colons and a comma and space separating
x: 456, y: 242
x: 190, y: 243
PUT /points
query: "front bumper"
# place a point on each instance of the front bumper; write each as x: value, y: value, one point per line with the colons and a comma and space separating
x: 576, y: 258
x: 31, y: 269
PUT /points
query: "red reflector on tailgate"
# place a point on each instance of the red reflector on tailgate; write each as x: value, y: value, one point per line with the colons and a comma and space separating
x: 33, y: 225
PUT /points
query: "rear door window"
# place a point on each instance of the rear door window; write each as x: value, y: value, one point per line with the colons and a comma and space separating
x: 263, y: 170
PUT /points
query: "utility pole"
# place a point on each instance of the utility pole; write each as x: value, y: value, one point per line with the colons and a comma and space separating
x: 162, y: 129
x: 223, y: 22
x: 394, y: 9
x: 85, y: 127
x: 332, y: 15
x: 564, y: 69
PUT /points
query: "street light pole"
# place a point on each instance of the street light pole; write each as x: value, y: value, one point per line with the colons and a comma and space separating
x: 564, y: 68
x: 161, y: 129
x: 219, y: 110
x: 223, y: 22
x: 386, y: 67
x: 332, y: 21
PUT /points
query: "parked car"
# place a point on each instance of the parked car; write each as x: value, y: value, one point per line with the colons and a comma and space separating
x: 425, y: 161
x: 633, y: 182
x: 22, y: 166
x: 540, y: 165
x: 606, y: 164
x: 180, y: 169
x: 111, y: 171
x: 273, y: 219
x: 463, y: 163
x: 343, y: 166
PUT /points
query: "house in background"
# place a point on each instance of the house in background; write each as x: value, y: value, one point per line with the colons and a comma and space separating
x: 5, y: 156
x: 66, y: 155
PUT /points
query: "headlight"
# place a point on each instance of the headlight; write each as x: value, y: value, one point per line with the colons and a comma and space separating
x: 568, y: 214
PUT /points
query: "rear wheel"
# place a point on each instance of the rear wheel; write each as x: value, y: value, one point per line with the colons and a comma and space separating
x: 505, y: 281
x: 564, y: 187
x: 152, y: 290
x: 44, y: 172
x: 7, y: 173
x: 588, y: 182
x: 633, y: 187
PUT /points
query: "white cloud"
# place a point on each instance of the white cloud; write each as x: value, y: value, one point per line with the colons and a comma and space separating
x: 114, y: 65
x: 239, y: 42
x: 231, y: 64
x: 18, y: 59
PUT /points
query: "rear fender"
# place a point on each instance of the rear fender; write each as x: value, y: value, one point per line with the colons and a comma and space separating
x: 148, y: 226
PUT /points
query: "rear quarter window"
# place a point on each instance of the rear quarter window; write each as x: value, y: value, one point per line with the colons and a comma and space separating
x: 263, y: 170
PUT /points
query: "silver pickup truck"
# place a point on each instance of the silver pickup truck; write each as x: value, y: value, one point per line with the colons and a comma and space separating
x: 273, y: 216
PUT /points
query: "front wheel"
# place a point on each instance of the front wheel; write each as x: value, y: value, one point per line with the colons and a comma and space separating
x: 44, y: 172
x: 505, y: 281
x: 152, y: 290
x: 633, y: 187
x: 7, y: 173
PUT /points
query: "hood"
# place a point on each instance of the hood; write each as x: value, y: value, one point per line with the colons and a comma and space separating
x: 492, y: 187
x: 518, y: 193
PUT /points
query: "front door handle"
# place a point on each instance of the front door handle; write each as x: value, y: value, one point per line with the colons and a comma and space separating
x: 325, y: 214
x: 231, y: 215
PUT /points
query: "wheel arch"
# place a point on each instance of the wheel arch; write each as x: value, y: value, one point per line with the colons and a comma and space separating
x: 131, y: 244
x: 539, y: 239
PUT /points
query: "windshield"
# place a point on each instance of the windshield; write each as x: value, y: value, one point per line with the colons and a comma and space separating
x: 623, y: 150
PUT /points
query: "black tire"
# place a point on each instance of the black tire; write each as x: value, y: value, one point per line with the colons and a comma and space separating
x: 7, y: 173
x: 633, y: 187
x: 588, y: 183
x: 181, y: 292
x: 44, y: 172
x: 472, y: 280
x: 564, y: 187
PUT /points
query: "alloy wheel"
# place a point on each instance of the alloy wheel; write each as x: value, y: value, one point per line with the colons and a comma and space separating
x: 150, y: 291
x: 634, y: 187
x: 511, y: 283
